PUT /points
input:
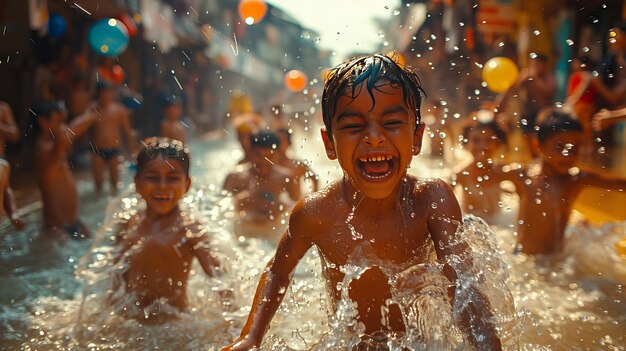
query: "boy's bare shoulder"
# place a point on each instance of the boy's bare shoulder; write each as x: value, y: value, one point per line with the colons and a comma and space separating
x: 426, y: 186
x: 318, y: 209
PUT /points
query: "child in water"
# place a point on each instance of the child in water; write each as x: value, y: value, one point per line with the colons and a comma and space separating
x: 158, y: 244
x: 172, y: 126
x: 56, y: 181
x: 548, y: 190
x: 482, y: 140
x: 258, y: 188
x: 370, y: 107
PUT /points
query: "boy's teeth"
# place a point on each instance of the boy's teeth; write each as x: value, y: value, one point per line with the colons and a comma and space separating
x: 375, y: 158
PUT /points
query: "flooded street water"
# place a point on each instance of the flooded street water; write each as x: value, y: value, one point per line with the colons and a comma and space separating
x: 572, y: 301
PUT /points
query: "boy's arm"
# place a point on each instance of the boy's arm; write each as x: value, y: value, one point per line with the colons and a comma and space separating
x: 275, y: 280
x: 8, y: 128
x: 594, y: 179
x: 443, y: 223
x: 11, y: 209
x: 201, y: 249
x: 605, y: 118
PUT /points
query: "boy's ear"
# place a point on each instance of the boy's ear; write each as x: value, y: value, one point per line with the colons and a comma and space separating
x: 187, y: 184
x: 328, y: 145
x: 417, y: 138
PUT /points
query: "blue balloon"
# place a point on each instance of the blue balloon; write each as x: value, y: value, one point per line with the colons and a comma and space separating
x: 56, y: 25
x: 108, y: 37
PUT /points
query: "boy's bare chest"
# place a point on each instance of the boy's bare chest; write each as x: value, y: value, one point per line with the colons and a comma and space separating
x: 395, y: 238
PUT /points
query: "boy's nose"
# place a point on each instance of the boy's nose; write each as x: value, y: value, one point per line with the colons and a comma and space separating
x: 374, y: 136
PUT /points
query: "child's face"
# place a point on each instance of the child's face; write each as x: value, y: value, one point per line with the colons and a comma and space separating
x: 374, y: 144
x: 162, y: 182
x: 263, y: 159
x: 561, y: 150
x: 482, y: 143
x: 53, y: 121
x: 105, y: 96
x: 173, y: 112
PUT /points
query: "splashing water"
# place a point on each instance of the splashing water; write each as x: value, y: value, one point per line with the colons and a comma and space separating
x: 574, y: 300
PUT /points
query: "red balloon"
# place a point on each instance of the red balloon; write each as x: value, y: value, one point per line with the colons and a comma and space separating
x: 296, y: 80
x: 118, y: 75
x: 129, y: 23
x: 252, y: 11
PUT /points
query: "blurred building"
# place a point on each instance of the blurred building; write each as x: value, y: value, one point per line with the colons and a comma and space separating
x: 199, y: 50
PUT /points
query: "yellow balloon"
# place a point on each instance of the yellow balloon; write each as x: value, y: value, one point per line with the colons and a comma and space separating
x: 620, y: 246
x: 500, y: 73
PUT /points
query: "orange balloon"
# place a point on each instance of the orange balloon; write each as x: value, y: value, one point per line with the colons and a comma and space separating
x: 500, y: 73
x: 296, y: 80
x: 252, y: 11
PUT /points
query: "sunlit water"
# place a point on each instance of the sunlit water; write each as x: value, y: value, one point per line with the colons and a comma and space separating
x: 53, y: 293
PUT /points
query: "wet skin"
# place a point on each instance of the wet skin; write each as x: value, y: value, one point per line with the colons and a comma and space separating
x: 159, y: 246
x: 389, y: 210
x: 547, y: 195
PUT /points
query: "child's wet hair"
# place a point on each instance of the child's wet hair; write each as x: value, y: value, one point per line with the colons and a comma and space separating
x: 557, y: 122
x: 374, y: 71
x: 490, y: 125
x: 166, y: 148
x: 103, y: 85
x: 44, y: 109
x: 266, y: 139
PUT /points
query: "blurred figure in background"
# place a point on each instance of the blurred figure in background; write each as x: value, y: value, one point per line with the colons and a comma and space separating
x: 106, y: 138
x: 172, y: 125
x: 8, y: 133
x: 259, y: 188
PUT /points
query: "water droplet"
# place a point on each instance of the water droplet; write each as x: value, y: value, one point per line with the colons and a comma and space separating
x: 396, y: 12
x: 433, y: 205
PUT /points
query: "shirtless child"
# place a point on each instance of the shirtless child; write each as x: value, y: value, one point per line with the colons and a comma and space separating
x: 55, y: 179
x: 107, y: 134
x: 548, y: 191
x: 8, y: 132
x: 372, y: 124
x: 172, y: 127
x: 159, y: 244
x: 482, y: 140
x: 259, y: 188
x: 299, y: 168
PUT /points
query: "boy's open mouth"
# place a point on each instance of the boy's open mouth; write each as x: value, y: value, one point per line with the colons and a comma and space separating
x: 161, y: 197
x: 376, y: 167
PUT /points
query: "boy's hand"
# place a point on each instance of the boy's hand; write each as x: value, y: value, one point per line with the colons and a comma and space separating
x: 598, y: 123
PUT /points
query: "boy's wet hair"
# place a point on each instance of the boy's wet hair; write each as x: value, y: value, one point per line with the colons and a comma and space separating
x: 169, y: 101
x: 166, y: 148
x: 491, y: 125
x: 103, y: 85
x: 266, y: 139
x: 374, y: 71
x: 557, y: 122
